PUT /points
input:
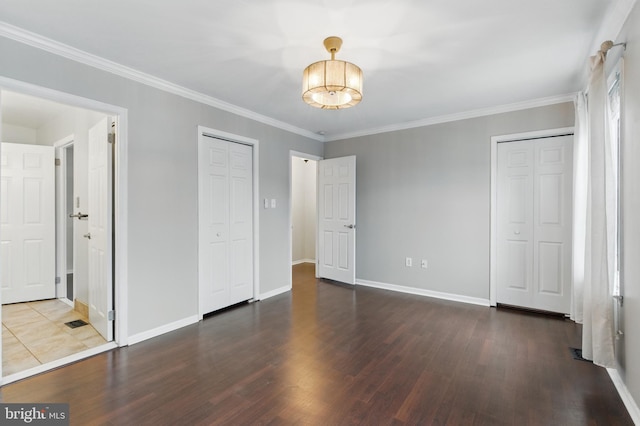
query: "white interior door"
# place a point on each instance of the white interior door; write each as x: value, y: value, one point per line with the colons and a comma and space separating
x: 99, y: 226
x: 27, y: 217
x: 225, y: 216
x: 534, y: 190
x: 337, y: 219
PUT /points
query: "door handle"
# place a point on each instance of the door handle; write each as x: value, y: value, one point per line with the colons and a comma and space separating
x: 350, y: 226
x: 79, y: 215
x: 88, y: 236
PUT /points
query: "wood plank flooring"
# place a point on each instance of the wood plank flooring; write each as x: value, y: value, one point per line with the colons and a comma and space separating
x: 328, y: 354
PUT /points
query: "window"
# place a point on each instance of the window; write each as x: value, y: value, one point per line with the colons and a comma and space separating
x: 614, y: 86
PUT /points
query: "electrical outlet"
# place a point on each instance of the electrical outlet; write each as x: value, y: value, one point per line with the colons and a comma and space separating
x: 408, y: 261
x: 266, y: 203
x: 424, y: 263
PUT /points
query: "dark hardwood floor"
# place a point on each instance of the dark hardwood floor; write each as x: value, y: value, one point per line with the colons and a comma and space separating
x: 328, y: 354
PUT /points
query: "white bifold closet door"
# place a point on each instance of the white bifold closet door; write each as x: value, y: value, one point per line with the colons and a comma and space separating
x: 225, y: 171
x: 534, y: 190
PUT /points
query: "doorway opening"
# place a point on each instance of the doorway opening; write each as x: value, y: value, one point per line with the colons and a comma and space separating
x: 64, y: 219
x: 303, y: 216
x: 53, y: 211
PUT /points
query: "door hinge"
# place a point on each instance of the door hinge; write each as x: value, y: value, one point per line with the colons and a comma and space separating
x: 57, y: 280
x: 112, y: 138
x: 111, y: 315
x: 58, y: 162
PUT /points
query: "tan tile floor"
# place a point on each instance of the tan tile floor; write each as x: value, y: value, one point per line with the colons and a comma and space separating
x: 35, y: 333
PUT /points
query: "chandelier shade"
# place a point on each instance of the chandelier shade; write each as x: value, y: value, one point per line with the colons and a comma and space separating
x: 332, y: 84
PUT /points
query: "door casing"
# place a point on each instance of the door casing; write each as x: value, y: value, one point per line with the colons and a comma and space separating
x: 120, y: 189
x: 61, y: 217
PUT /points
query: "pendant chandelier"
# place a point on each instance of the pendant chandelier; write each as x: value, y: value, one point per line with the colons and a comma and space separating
x: 332, y: 84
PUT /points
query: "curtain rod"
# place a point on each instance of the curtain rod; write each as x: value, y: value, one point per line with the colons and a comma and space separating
x: 607, y: 45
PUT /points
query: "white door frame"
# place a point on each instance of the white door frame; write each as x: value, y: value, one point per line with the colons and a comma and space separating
x: 120, y: 206
x: 61, y: 198
x: 493, y: 271
x: 254, y: 143
x: 316, y: 158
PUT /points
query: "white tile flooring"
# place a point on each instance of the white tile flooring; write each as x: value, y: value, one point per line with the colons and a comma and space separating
x: 34, y: 333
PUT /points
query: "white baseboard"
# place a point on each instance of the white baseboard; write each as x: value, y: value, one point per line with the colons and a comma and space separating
x: 625, y: 395
x: 423, y: 292
x: 275, y: 292
x: 149, y: 334
x: 298, y: 262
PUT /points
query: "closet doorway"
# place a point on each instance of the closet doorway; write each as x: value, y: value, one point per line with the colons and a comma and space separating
x: 532, y: 183
x: 227, y: 224
x: 303, y: 173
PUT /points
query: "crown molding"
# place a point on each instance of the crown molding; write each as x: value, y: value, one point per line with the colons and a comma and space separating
x: 569, y: 97
x: 40, y: 42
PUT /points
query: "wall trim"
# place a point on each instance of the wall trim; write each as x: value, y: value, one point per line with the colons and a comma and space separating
x: 275, y: 292
x: 298, y: 262
x: 40, y: 42
x: 493, y: 267
x: 625, y: 395
x: 158, y: 331
x: 534, y: 103
x: 424, y: 292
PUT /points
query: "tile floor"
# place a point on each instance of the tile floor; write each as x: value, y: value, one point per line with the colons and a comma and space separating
x: 35, y: 333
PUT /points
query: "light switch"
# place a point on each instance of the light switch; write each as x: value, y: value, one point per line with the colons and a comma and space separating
x: 266, y: 203
x: 273, y: 203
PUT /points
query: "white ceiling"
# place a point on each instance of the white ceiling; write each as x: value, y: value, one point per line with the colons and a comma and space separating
x: 30, y: 112
x: 421, y: 59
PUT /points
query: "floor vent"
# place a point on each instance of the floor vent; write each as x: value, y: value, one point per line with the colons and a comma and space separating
x: 76, y: 323
x: 577, y: 354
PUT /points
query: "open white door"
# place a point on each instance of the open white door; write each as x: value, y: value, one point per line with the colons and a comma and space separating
x: 27, y: 217
x: 100, y: 241
x: 337, y: 219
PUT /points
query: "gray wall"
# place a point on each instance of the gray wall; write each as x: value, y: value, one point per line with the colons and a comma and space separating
x: 162, y: 181
x: 629, y: 345
x: 425, y: 193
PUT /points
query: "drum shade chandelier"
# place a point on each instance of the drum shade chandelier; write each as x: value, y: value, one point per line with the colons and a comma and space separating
x: 332, y: 84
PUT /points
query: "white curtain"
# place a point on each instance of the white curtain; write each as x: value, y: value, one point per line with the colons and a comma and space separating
x: 580, y: 188
x: 597, y: 308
